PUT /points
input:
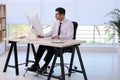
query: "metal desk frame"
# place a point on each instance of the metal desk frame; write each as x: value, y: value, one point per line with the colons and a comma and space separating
x: 13, y: 47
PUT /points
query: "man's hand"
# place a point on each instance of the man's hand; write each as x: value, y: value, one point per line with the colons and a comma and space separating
x: 55, y: 37
x: 40, y: 36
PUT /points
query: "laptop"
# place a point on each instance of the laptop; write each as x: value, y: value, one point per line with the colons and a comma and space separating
x: 35, y: 26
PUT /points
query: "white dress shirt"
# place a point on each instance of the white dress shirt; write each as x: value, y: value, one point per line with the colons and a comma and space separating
x: 66, y: 29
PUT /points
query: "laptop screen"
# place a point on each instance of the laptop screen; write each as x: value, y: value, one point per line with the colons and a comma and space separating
x: 35, y: 24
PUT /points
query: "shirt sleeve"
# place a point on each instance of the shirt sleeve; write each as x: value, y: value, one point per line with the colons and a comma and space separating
x: 51, y: 32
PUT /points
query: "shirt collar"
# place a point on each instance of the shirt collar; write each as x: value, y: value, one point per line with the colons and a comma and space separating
x: 62, y: 21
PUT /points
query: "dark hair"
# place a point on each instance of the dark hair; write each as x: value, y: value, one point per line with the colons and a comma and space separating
x: 60, y: 10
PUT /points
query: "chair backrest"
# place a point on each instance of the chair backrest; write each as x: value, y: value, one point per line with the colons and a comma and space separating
x: 75, y: 25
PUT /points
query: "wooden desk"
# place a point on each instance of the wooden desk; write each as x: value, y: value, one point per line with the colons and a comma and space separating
x: 47, y: 42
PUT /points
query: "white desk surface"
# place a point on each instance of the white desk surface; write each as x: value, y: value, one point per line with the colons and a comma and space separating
x: 46, y: 41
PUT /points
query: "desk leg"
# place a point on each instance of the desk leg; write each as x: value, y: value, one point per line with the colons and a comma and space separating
x: 13, y: 45
x: 71, y: 61
x: 53, y: 64
x: 16, y: 58
x: 8, y: 57
x: 62, y: 64
x: 28, y: 52
x: 33, y: 48
x: 27, y: 55
x: 81, y: 62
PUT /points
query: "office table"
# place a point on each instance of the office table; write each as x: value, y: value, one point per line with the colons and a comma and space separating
x: 47, y: 42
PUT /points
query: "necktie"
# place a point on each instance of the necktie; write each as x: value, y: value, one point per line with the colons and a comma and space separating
x: 59, y: 29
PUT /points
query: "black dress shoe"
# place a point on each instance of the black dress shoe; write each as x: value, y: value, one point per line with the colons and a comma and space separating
x: 34, y: 67
x: 42, y: 70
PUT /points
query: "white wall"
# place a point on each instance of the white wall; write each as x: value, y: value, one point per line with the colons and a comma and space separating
x: 93, y: 12
x: 88, y: 12
x: 17, y: 10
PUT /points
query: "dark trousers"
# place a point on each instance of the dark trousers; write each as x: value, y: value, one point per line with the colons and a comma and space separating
x: 40, y: 52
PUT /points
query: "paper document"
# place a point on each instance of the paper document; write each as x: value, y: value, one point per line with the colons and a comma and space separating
x: 58, y: 41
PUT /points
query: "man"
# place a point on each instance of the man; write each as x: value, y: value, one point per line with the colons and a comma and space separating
x: 62, y: 28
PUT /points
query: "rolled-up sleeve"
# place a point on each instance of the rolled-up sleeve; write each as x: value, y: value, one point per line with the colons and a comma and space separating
x: 50, y: 33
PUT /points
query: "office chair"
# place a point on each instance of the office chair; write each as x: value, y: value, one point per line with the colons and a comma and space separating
x: 69, y: 49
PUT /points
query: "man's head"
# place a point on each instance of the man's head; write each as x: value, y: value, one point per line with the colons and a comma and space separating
x: 60, y: 13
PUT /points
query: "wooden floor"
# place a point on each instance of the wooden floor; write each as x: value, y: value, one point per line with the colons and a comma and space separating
x: 99, y: 66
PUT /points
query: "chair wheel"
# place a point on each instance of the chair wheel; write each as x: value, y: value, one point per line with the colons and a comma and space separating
x: 48, y: 67
x: 75, y: 67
